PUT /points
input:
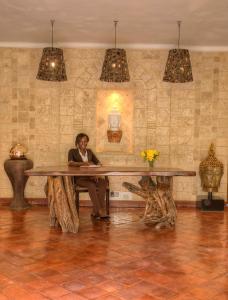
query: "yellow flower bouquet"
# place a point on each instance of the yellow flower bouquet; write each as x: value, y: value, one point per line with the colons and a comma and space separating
x: 150, y: 155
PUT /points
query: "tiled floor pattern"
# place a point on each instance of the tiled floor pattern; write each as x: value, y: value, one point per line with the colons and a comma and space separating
x: 122, y: 259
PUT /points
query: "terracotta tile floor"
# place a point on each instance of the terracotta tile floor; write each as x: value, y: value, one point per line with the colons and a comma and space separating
x: 120, y: 259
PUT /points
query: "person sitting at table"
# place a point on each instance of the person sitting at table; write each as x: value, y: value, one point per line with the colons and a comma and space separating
x: 81, y: 156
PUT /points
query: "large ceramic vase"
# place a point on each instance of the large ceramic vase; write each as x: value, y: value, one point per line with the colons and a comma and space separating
x: 15, y: 169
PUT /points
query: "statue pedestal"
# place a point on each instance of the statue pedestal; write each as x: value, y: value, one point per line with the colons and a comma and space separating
x: 210, y: 203
x: 15, y: 170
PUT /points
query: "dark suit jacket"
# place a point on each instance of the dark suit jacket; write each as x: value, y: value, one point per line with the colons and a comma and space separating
x: 74, y: 155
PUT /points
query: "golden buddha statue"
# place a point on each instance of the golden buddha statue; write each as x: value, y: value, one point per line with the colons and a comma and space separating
x: 211, y: 171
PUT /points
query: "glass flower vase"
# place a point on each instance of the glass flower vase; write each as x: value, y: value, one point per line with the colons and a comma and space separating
x: 151, y: 164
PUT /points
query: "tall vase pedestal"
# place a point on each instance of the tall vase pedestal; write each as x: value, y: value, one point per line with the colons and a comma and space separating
x: 15, y: 169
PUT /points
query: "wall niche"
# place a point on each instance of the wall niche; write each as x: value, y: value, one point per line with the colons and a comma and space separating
x: 107, y: 101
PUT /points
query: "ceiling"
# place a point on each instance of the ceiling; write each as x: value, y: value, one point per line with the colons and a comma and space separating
x: 89, y: 23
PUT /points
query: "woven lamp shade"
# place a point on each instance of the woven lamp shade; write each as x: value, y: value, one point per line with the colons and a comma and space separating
x: 52, y: 65
x: 115, y: 67
x: 178, y: 67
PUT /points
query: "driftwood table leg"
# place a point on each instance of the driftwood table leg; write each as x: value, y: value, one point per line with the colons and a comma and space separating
x: 160, y: 208
x: 61, y: 198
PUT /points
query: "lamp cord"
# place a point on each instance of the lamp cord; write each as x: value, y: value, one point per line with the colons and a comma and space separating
x: 179, y: 25
x: 52, y: 25
x: 115, y: 24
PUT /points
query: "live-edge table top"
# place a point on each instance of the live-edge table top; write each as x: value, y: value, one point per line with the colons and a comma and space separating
x: 106, y: 171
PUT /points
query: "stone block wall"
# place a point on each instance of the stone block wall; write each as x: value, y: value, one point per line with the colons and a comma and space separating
x: 180, y: 120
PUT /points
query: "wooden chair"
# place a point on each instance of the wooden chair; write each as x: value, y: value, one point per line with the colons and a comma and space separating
x: 79, y: 189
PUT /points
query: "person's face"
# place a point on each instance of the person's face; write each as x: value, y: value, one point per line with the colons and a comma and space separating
x: 83, y: 143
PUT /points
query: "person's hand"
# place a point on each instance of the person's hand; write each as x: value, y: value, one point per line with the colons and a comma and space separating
x: 86, y: 163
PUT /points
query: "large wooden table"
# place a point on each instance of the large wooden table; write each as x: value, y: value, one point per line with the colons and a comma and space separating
x: 160, y: 208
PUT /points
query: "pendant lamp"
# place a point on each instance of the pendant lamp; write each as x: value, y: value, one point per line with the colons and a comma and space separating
x: 115, y: 67
x: 52, y: 65
x: 178, y: 66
